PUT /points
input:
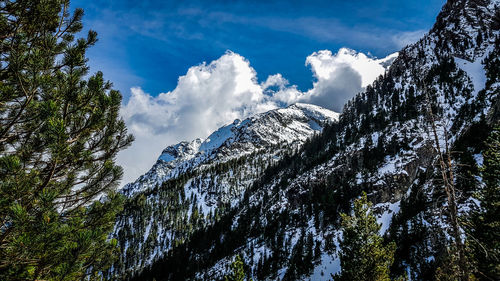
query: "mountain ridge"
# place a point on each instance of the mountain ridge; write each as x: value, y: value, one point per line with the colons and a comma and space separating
x: 187, y: 155
x: 197, y: 179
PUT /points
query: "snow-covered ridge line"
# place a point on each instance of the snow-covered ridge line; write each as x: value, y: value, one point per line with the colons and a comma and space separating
x: 227, y: 134
x: 296, y: 123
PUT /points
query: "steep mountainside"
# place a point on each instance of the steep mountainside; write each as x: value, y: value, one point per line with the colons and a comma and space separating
x: 193, y: 183
x: 286, y: 226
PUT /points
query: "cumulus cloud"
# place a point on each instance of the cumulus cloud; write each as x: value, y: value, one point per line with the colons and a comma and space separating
x: 214, y: 94
x: 340, y: 76
x: 207, y: 97
x: 325, y: 65
x: 211, y: 95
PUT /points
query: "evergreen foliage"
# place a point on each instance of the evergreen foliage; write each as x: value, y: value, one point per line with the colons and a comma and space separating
x: 485, y: 231
x: 59, y: 136
x: 237, y: 270
x: 363, y: 255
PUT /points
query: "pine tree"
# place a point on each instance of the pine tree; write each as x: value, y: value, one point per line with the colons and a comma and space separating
x: 308, y: 260
x: 485, y: 231
x: 317, y: 251
x: 363, y: 255
x: 237, y: 270
x: 59, y: 136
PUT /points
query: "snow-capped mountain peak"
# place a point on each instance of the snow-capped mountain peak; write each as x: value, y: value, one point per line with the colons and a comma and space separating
x: 181, y: 151
x: 294, y: 124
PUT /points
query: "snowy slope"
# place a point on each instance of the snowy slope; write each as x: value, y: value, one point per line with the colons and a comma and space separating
x: 192, y: 182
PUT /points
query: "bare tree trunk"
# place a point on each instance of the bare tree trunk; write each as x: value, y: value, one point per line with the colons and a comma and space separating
x: 446, y: 166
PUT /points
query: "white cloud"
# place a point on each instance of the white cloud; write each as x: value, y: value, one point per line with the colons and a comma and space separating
x: 338, y: 77
x: 212, y: 95
x: 325, y: 65
x: 406, y: 38
x: 276, y: 80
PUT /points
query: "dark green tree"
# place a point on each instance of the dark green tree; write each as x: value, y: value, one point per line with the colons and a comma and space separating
x: 485, y: 230
x: 363, y: 255
x: 59, y: 136
x: 237, y: 270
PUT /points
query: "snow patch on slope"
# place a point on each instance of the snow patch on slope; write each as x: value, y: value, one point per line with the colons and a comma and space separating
x: 475, y: 71
x: 329, y: 265
x: 385, y: 218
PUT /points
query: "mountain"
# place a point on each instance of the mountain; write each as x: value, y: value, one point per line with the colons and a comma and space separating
x: 280, y: 210
x: 192, y: 183
x: 292, y: 125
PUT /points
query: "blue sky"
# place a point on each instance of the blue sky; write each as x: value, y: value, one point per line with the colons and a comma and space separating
x: 151, y: 43
x: 260, y: 55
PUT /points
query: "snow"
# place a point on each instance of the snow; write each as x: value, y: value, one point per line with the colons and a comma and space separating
x: 394, y: 165
x: 359, y: 178
x: 389, y: 167
x: 315, y: 126
x: 479, y: 159
x: 259, y: 252
x: 166, y: 157
x: 317, y: 112
x: 329, y: 265
x: 475, y: 71
x: 267, y: 136
x: 385, y: 218
x: 148, y: 229
x: 216, y: 139
x: 375, y: 137
x: 295, y: 124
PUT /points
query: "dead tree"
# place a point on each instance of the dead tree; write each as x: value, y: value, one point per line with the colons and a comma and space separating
x: 447, y: 167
